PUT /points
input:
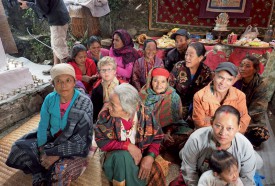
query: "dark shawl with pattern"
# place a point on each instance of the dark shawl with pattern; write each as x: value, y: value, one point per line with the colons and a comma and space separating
x: 108, y: 128
x: 75, y: 140
x: 180, y: 79
x: 256, y: 98
x: 127, y: 52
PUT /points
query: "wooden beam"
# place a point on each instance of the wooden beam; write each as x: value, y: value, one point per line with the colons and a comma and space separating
x: 5, y: 33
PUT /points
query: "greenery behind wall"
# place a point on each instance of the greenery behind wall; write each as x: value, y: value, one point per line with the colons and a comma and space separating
x: 131, y: 15
x: 36, y: 51
x: 19, y: 20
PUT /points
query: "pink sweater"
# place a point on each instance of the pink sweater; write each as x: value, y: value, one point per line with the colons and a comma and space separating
x: 123, y: 71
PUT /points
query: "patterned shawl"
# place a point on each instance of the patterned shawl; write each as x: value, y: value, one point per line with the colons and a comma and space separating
x: 256, y: 98
x: 108, y: 128
x: 180, y: 79
x: 166, y: 107
x: 141, y: 70
x: 127, y: 52
x: 75, y: 140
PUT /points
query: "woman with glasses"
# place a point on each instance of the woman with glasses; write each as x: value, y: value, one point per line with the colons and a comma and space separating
x: 104, y: 86
x: 56, y: 153
x: 189, y: 76
x: 95, y: 51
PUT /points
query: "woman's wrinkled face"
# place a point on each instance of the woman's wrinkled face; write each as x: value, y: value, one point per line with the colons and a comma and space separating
x: 191, y: 58
x: 80, y: 58
x: 95, y: 48
x: 246, y: 69
x: 223, y: 81
x: 107, y: 73
x: 115, y: 108
x: 64, y: 85
x: 150, y: 50
x: 230, y: 175
x: 225, y: 126
x: 181, y: 42
x: 159, y: 84
x: 117, y: 42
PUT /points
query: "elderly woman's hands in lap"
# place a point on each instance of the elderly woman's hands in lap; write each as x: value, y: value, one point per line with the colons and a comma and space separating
x: 48, y: 161
x: 135, y: 153
x: 146, y: 162
x: 145, y: 167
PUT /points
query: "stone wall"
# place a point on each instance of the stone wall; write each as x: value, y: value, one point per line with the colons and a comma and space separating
x: 22, y: 106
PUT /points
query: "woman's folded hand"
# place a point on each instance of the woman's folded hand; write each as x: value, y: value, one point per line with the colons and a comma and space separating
x: 48, y: 161
x: 145, y: 167
x: 135, y: 153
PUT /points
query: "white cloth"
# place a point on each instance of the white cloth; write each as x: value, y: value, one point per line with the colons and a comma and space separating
x: 76, y: 11
x: 98, y: 8
x: 3, y: 59
x: 14, y: 79
x: 208, y: 179
x: 132, y: 133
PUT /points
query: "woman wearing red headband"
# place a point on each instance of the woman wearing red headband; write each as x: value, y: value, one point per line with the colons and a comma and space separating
x: 166, y: 106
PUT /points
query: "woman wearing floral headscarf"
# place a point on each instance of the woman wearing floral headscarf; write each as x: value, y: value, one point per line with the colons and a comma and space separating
x: 124, y: 54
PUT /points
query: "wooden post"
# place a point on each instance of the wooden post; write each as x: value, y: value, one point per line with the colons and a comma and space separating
x: 5, y: 33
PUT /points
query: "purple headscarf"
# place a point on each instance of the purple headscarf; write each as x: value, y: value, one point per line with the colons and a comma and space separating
x: 127, y: 52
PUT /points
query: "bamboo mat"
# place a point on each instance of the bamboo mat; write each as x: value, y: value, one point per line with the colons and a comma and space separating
x: 93, y: 175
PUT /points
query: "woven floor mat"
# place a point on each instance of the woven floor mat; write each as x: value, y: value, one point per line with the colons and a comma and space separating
x: 93, y: 175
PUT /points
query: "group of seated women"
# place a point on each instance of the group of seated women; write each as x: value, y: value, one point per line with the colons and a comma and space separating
x: 201, y: 119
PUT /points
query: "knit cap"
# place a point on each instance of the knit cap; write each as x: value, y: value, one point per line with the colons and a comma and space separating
x: 62, y: 68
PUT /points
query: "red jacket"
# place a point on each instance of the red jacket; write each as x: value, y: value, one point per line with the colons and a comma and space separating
x: 90, y: 71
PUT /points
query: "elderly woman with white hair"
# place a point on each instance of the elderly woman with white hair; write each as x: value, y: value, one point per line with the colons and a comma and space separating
x: 56, y: 153
x: 131, y: 137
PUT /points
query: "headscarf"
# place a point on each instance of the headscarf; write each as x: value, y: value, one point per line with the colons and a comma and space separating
x: 166, y: 106
x: 160, y: 72
x: 127, y: 52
